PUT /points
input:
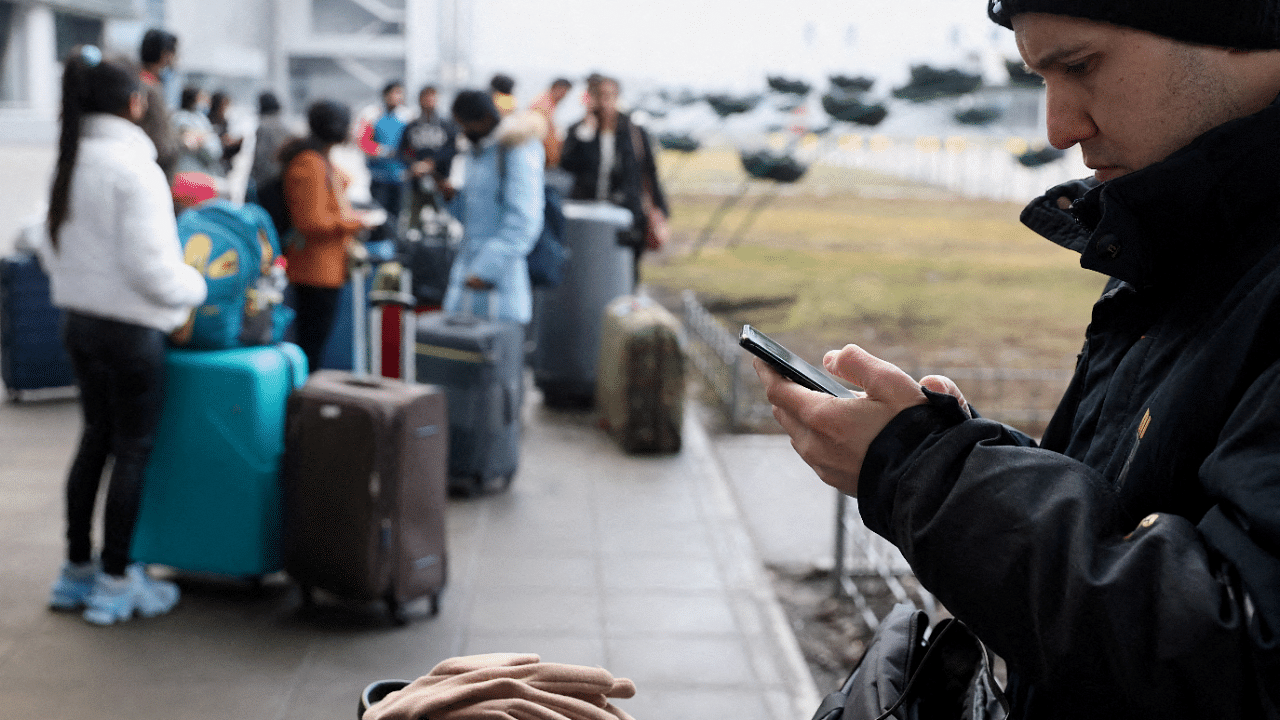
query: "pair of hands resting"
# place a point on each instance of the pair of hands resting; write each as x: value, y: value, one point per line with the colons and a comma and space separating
x: 832, y: 434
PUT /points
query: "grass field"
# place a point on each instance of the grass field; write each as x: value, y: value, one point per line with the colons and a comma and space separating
x: 922, y: 278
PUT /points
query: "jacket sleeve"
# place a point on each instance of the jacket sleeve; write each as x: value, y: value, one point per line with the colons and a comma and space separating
x: 650, y: 169
x: 577, y: 156
x: 1171, y: 617
x: 523, y: 201
x: 150, y: 253
x: 306, y: 191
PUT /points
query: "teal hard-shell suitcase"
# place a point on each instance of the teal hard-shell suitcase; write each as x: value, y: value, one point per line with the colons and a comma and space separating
x: 212, y: 500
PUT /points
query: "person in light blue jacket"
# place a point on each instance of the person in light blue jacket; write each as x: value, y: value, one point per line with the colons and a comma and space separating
x: 501, y: 210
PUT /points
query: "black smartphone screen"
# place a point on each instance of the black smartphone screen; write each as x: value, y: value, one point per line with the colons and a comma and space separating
x: 789, y: 365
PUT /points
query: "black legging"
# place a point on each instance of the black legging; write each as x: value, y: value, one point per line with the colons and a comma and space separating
x: 120, y: 370
x: 316, y: 308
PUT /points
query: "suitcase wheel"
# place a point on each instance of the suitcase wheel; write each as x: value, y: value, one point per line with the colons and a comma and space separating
x: 395, y: 609
x: 473, y: 486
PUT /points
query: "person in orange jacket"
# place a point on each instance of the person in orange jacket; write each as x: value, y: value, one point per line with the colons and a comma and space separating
x: 315, y: 191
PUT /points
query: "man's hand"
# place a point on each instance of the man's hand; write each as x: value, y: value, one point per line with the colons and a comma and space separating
x: 422, y: 167
x: 832, y: 434
x: 474, y: 282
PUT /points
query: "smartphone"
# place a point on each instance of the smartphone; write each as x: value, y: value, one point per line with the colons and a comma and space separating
x: 789, y: 365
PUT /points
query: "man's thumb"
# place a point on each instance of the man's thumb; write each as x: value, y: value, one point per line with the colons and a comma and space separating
x: 882, y: 380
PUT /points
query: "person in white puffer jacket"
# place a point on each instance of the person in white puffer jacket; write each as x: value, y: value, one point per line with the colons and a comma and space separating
x: 116, y: 269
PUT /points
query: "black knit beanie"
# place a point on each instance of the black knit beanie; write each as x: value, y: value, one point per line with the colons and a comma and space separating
x: 1240, y: 24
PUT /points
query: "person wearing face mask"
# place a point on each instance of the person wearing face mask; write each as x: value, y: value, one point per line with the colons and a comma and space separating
x: 159, y: 54
x: 502, y: 210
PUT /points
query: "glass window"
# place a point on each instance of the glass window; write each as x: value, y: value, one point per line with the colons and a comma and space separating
x: 72, y: 30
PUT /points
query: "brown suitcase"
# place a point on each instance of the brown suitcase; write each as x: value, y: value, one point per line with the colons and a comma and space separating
x: 640, y: 380
x: 365, y: 476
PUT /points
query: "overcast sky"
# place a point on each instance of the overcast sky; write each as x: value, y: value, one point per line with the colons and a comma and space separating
x: 732, y: 44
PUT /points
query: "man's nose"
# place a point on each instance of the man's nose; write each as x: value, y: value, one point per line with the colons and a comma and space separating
x: 1067, y: 117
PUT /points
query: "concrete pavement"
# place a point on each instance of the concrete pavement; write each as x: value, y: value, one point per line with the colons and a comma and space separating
x: 642, y: 565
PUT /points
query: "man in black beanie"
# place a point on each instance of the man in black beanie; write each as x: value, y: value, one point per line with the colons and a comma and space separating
x: 1128, y: 563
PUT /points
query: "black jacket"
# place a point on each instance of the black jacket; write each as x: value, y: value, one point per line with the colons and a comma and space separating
x: 430, y: 138
x: 1129, y: 566
x: 582, y: 159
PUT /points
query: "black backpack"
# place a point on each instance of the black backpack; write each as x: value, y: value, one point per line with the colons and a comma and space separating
x: 271, y: 198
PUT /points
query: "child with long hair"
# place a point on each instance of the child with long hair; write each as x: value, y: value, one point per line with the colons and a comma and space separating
x: 116, y: 269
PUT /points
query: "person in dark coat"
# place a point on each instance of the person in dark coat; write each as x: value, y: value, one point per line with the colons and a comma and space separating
x: 1128, y: 563
x: 427, y: 148
x: 611, y: 158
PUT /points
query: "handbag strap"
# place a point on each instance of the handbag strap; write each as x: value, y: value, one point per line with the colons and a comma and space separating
x: 646, y: 185
x: 936, y: 641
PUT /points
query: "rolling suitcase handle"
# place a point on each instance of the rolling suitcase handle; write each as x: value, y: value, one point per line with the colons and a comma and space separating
x: 360, y: 353
x: 393, y: 286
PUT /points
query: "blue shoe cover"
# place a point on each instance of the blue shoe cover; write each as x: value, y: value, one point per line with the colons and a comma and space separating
x: 71, y: 589
x: 117, y: 599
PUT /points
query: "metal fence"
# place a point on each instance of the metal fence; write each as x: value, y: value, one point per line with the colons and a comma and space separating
x: 1024, y: 398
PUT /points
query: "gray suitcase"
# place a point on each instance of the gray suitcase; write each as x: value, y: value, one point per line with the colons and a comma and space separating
x: 480, y: 365
x: 566, y: 319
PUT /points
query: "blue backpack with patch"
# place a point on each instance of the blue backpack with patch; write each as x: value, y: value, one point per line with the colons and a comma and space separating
x: 235, y: 247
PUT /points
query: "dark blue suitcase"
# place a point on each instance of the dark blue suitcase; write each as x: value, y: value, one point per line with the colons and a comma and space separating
x: 31, y: 353
x: 480, y: 365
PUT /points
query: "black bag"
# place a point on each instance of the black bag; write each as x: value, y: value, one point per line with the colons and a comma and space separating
x: 904, y: 675
x: 548, y: 257
x: 271, y: 198
x: 429, y: 257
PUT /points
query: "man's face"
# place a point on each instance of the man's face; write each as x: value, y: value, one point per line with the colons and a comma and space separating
x: 427, y: 101
x: 604, y: 98
x: 1127, y: 97
x: 394, y: 98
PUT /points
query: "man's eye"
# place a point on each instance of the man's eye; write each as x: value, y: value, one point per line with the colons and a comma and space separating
x: 1079, y: 68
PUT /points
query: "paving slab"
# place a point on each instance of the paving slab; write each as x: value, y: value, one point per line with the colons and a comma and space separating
x: 640, y: 564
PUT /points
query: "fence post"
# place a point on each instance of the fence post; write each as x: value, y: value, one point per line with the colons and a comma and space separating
x: 735, y: 389
x: 837, y: 571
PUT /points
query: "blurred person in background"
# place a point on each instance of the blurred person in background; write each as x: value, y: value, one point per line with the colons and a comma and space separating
x: 380, y: 142
x: 545, y: 106
x: 611, y: 159
x: 219, y: 106
x: 199, y: 147
x: 502, y: 88
x: 116, y: 270
x: 427, y: 149
x: 315, y: 192
x: 502, y: 210
x: 271, y: 135
x: 158, y: 53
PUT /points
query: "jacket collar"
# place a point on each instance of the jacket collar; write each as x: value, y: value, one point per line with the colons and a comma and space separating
x: 515, y: 129
x: 114, y: 127
x: 1147, y: 227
